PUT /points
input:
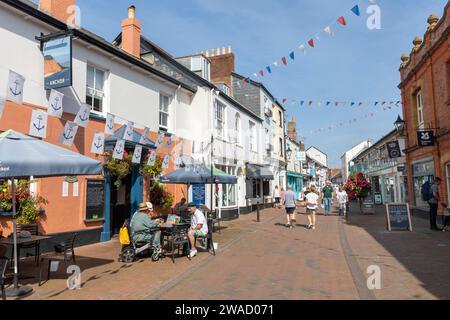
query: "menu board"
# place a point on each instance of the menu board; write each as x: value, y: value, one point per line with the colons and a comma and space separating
x: 398, y: 217
x: 199, y: 194
x: 368, y: 206
x: 95, y: 199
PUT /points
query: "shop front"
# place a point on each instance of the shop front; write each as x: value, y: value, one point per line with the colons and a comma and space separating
x: 295, y: 181
x: 422, y: 171
x: 258, y: 186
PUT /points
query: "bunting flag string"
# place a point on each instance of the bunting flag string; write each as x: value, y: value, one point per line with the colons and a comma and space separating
x: 2, y: 106
x: 55, y: 104
x: 312, y: 43
x: 14, y: 91
x: 98, y: 143
x: 340, y: 103
x: 119, y: 150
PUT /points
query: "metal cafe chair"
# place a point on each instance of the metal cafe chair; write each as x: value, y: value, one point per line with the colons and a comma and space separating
x: 3, y: 266
x: 34, y: 231
x: 177, y: 238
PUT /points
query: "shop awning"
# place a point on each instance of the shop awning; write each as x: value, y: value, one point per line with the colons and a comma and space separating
x: 259, y: 172
x: 295, y: 174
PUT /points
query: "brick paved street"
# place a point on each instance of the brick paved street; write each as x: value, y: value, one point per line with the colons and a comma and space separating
x: 268, y: 261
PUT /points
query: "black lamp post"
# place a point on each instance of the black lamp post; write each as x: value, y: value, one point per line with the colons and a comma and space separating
x: 399, y: 124
x: 289, y: 153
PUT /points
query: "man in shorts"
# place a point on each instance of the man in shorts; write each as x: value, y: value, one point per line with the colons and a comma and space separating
x: 199, y: 227
x: 289, y: 204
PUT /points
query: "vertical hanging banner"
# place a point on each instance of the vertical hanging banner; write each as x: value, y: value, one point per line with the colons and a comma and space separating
x: 119, y: 150
x: 160, y: 140
x: 181, y: 146
x: 144, y: 137
x: 14, y: 91
x: 137, y: 154
x: 166, y: 161
x: 151, y: 158
x: 38, y: 124
x: 129, y: 130
x: 55, y: 104
x: 98, y: 143
x: 82, y: 118
x: 170, y: 142
x: 57, y: 63
x: 68, y: 135
x: 2, y: 106
x: 177, y: 161
x: 109, y: 126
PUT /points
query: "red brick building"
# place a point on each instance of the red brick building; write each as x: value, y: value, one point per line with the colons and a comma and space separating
x: 425, y: 86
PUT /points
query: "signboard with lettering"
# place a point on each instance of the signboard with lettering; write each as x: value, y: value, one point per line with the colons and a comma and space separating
x: 57, y: 63
x: 394, y: 149
x: 95, y: 199
x: 199, y: 194
x: 368, y: 206
x: 425, y: 138
x: 301, y: 156
x: 398, y: 217
x: 378, y: 198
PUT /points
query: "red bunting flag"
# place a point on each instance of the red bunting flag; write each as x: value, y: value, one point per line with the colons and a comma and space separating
x: 310, y: 102
x: 284, y: 101
x: 261, y: 73
x: 337, y: 103
x: 311, y: 43
x: 284, y: 61
x: 342, y: 21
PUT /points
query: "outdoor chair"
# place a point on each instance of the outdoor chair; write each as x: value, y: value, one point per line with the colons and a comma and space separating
x: 216, y: 220
x: 209, y: 237
x: 3, y: 266
x: 64, y: 252
x: 34, y: 231
x: 178, y: 239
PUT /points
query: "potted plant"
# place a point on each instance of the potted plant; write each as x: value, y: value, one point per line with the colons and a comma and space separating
x: 119, y: 169
x: 358, y: 188
x: 161, y: 199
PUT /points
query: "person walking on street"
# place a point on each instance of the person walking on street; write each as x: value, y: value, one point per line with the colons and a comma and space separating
x: 342, y: 198
x: 277, y: 197
x: 327, y: 193
x: 434, y: 203
x: 290, y: 206
x: 312, y: 204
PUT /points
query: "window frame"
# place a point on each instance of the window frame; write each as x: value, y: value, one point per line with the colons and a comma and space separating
x: 419, y: 107
x: 219, y: 132
x: 238, y: 128
x: 252, y: 137
x: 95, y: 90
x: 167, y: 113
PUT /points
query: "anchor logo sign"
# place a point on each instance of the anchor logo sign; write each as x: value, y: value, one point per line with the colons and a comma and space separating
x: 38, y: 126
x: 85, y: 116
x: 56, y: 106
x: 110, y: 124
x: 16, y: 91
x: 120, y: 149
x: 68, y: 134
x: 98, y: 144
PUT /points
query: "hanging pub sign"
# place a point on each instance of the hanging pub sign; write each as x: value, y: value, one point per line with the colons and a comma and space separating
x: 394, y: 149
x: 426, y: 138
x: 57, y: 62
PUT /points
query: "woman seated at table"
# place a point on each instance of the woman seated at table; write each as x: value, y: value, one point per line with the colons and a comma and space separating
x: 142, y: 226
x: 181, y: 209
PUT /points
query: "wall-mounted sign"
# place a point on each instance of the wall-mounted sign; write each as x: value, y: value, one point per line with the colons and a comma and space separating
x: 378, y: 198
x: 425, y: 138
x: 57, y: 63
x: 398, y: 217
x: 394, y: 151
x: 312, y: 169
x: 95, y: 199
x: 301, y: 156
x: 199, y: 194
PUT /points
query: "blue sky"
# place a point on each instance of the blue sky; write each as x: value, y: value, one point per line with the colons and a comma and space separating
x: 357, y: 64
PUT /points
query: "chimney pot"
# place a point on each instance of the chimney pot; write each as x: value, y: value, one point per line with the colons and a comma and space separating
x: 224, y: 50
x: 218, y: 52
x: 131, y: 12
x: 131, y: 33
x: 229, y: 49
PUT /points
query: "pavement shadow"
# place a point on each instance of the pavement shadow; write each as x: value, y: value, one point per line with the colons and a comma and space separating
x: 424, y: 253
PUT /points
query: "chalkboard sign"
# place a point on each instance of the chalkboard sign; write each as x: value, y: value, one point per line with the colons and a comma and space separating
x: 398, y: 217
x: 368, y: 206
x: 95, y: 199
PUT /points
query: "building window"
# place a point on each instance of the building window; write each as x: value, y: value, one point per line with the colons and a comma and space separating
x: 281, y: 148
x: 219, y: 119
x: 228, y: 191
x: 268, y: 144
x: 281, y: 119
x: 252, y: 137
x: 420, y: 117
x: 95, y: 88
x: 164, y: 111
x: 237, y: 129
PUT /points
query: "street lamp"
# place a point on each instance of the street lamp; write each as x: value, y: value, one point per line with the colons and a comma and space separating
x: 399, y: 124
x: 289, y: 153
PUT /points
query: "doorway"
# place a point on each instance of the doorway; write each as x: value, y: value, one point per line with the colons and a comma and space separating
x: 120, y: 204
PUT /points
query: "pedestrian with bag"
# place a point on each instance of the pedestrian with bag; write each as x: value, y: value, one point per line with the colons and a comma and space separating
x: 312, y: 204
x: 327, y: 195
x: 430, y: 194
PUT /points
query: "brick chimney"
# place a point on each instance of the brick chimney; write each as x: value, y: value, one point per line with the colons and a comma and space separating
x: 222, y: 65
x: 60, y: 9
x: 131, y: 33
x: 292, y: 129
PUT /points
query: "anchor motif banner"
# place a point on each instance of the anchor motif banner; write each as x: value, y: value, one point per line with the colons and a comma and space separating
x: 38, y: 124
x: 170, y: 142
x: 137, y: 155
x: 177, y: 160
x: 160, y: 140
x: 144, y: 137
x: 57, y: 63
x: 69, y: 133
x: 128, y: 134
x: 2, y: 106
x: 14, y: 91
x: 152, y: 158
x: 55, y: 104
x: 98, y: 143
x: 82, y: 118
x: 119, y: 150
x: 166, y: 161
x: 109, y: 127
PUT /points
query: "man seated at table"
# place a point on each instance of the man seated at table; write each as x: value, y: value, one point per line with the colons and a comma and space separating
x: 142, y: 225
x: 199, y: 227
x: 181, y: 209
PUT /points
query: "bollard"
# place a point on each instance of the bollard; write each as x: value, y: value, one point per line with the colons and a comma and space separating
x: 257, y: 213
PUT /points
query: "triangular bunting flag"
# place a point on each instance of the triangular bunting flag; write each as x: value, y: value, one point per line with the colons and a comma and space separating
x: 292, y: 55
x: 337, y: 103
x: 356, y: 11
x: 302, y: 103
x: 275, y: 63
x: 328, y: 103
x: 352, y: 104
x: 310, y: 102
x: 342, y: 21
x: 329, y: 30
x: 261, y: 73
x: 269, y: 70
x: 376, y: 103
x: 311, y: 43
x: 284, y: 61
x: 302, y: 48
x: 284, y: 100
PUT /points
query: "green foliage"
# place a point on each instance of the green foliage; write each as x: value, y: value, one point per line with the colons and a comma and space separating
x: 160, y: 197
x: 119, y: 169
x: 154, y: 171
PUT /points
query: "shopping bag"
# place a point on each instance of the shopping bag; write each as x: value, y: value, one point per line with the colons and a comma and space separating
x: 124, y: 236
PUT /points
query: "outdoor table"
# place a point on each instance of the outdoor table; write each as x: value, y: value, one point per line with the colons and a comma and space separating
x: 20, y: 241
x: 167, y: 229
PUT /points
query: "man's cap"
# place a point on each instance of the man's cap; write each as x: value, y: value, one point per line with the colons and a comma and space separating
x: 191, y: 205
x: 145, y: 206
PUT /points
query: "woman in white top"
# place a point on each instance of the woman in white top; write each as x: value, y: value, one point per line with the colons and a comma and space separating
x: 312, y: 204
